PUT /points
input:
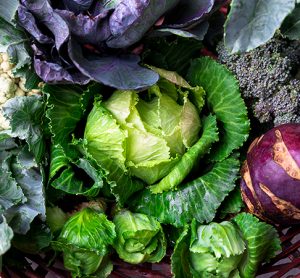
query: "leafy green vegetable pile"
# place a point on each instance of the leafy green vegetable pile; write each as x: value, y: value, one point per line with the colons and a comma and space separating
x: 121, y: 159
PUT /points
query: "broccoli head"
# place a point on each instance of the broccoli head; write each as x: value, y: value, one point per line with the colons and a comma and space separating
x: 269, y: 79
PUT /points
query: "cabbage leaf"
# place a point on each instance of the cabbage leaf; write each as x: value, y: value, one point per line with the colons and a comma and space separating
x: 223, y: 98
x: 198, y: 198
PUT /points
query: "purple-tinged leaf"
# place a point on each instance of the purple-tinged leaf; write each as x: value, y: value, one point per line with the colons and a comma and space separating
x: 122, y: 72
x: 188, y: 12
x: 46, y: 16
x: 133, y: 18
x: 53, y: 73
x: 28, y: 22
x: 85, y: 29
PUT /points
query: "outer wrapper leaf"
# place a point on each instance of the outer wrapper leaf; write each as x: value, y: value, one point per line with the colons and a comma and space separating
x: 180, y: 264
x: 262, y: 243
x: 197, y: 199
x: 252, y: 23
x: 66, y: 108
x: 224, y: 100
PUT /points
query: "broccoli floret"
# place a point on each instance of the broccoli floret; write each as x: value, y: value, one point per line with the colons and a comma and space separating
x: 269, y: 79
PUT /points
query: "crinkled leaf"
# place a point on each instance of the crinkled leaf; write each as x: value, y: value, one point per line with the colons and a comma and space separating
x: 53, y: 73
x: 10, y: 192
x: 84, y: 241
x: 26, y: 117
x: 65, y: 108
x: 197, y: 199
x: 262, y: 243
x: 42, y: 11
x: 30, y: 179
x: 189, y: 159
x: 291, y: 25
x: 14, y: 41
x: 224, y: 99
x: 131, y: 19
x: 89, y: 229
x: 121, y: 72
x: 6, y: 235
x: 188, y: 12
x: 86, y: 29
x: 28, y: 22
x: 252, y: 23
x: 80, y: 176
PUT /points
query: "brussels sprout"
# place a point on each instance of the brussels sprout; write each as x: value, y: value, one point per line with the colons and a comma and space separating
x: 84, y: 241
x: 140, y: 238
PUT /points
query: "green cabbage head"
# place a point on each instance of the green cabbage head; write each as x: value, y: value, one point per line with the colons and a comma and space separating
x: 147, y: 133
x: 215, y: 249
x: 140, y: 238
x: 85, y: 240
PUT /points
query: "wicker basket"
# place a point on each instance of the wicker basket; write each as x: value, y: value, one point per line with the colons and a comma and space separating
x: 285, y: 264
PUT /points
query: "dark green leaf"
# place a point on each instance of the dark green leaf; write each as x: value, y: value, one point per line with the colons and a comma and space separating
x: 197, y: 199
x: 180, y: 260
x: 252, y: 23
x: 291, y: 25
x: 262, y: 243
x: 233, y: 203
x: 175, y: 55
x: 26, y: 116
x: 38, y: 238
x: 80, y: 177
x: 65, y: 108
x: 225, y: 101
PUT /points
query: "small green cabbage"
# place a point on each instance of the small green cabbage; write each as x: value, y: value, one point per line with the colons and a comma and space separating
x: 229, y: 249
x: 145, y: 134
x: 215, y: 249
x: 85, y: 240
x: 140, y: 238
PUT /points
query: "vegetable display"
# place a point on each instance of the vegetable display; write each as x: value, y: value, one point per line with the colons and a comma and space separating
x: 271, y: 175
x: 124, y: 125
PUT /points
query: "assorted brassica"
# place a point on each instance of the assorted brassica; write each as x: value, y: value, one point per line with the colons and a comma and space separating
x: 133, y: 146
